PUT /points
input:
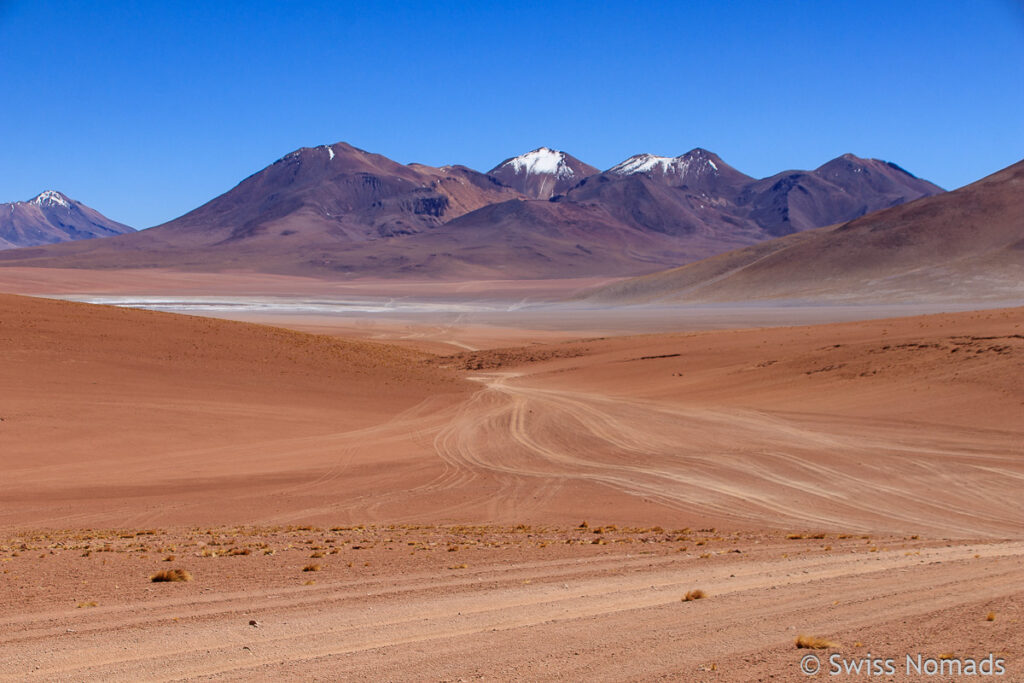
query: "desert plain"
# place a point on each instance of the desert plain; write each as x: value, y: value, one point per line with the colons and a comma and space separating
x: 517, y: 492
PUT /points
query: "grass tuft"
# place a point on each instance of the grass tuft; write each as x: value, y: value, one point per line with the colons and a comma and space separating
x: 312, y: 567
x: 171, y: 575
x: 814, y: 643
x: 695, y: 594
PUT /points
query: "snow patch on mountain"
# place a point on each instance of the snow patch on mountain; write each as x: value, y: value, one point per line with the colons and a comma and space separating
x: 51, y: 198
x: 541, y: 161
x: 643, y: 163
x: 696, y: 161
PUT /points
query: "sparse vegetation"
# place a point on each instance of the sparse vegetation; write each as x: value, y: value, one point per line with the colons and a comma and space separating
x: 171, y: 575
x: 695, y: 594
x: 814, y: 643
x: 312, y: 567
x: 991, y: 616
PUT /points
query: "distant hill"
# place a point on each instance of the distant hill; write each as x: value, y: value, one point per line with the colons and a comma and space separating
x: 967, y: 244
x: 53, y: 217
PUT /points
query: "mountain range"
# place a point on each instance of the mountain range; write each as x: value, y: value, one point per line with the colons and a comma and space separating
x: 52, y: 217
x: 966, y: 245
x: 339, y: 211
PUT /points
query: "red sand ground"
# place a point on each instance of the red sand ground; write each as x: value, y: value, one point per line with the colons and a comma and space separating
x: 117, y: 422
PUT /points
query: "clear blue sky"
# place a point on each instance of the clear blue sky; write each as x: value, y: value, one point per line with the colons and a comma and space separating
x: 144, y: 110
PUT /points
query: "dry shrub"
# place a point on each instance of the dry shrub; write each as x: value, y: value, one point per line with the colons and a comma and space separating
x: 991, y: 616
x: 169, y: 558
x: 91, y: 603
x: 311, y: 568
x: 695, y: 594
x: 171, y: 575
x: 814, y: 643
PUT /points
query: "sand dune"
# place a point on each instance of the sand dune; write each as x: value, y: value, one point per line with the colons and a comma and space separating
x: 115, y: 416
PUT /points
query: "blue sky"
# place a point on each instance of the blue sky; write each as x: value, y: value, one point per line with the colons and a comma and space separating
x: 144, y: 110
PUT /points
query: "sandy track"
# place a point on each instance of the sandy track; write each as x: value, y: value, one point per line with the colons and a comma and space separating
x: 740, y: 466
x: 418, y: 625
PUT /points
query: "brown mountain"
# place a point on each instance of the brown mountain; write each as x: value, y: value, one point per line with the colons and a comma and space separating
x: 704, y: 193
x: 843, y: 189
x: 967, y: 244
x: 338, y: 211
x: 542, y: 173
x: 52, y: 217
x: 295, y: 215
x: 336, y: 193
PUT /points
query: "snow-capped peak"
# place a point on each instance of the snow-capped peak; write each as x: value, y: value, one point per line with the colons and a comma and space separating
x: 642, y: 163
x: 695, y: 161
x: 51, y: 198
x: 541, y: 161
